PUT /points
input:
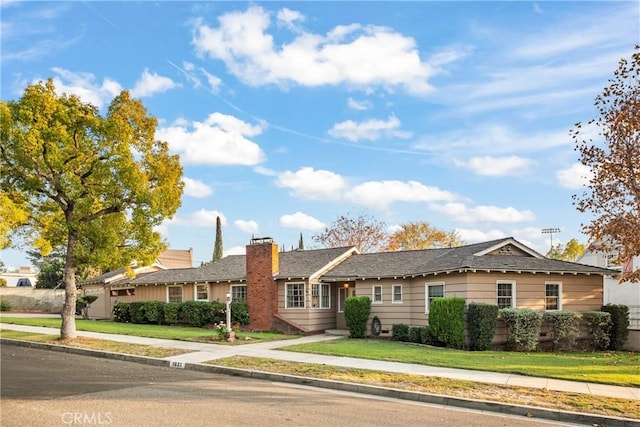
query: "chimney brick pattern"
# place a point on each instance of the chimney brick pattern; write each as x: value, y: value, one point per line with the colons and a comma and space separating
x: 262, y: 264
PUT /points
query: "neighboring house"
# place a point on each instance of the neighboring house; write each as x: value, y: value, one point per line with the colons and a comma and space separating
x: 305, y: 290
x: 626, y: 293
x: 18, y: 277
x: 108, y: 286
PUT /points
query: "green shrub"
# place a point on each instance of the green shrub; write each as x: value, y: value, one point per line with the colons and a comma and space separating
x: 240, y: 313
x: 5, y: 305
x: 523, y: 326
x: 121, y: 312
x: 446, y: 320
x: 619, y: 325
x: 195, y: 312
x: 154, y: 311
x: 400, y: 332
x: 599, y: 324
x: 171, y: 312
x: 565, y: 326
x: 136, y: 310
x: 3, y: 282
x: 415, y: 334
x: 356, y: 314
x: 426, y: 336
x: 482, y: 319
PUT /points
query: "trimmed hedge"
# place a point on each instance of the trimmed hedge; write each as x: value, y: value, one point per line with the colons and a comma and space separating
x: 599, y: 324
x: 356, y: 314
x: 565, y: 326
x: 193, y: 313
x: 619, y: 325
x: 400, y: 332
x: 446, y: 320
x: 523, y: 325
x: 482, y: 319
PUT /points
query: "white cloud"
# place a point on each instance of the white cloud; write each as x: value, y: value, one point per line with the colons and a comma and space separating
x: 195, y: 188
x: 460, y: 212
x: 83, y: 85
x: 575, y: 176
x: 469, y: 235
x: 151, y: 83
x: 200, y: 218
x: 497, y: 166
x: 370, y: 129
x: 301, y: 221
x: 246, y: 226
x: 312, y: 184
x: 380, y: 194
x: 236, y: 250
x: 359, y: 56
x: 219, y: 140
x: 359, y: 105
x: 288, y: 18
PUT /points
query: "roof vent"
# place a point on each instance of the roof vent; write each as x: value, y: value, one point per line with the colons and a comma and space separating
x: 261, y: 240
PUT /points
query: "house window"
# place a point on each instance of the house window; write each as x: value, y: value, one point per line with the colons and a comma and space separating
x: 506, y: 294
x: 238, y: 293
x: 202, y: 292
x: 376, y: 296
x: 295, y: 295
x: 320, y: 295
x: 433, y: 291
x: 123, y: 292
x: 397, y: 294
x: 174, y: 294
x: 342, y: 295
x: 553, y: 296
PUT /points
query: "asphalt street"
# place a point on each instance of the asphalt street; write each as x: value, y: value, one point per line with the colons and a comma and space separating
x: 47, y: 388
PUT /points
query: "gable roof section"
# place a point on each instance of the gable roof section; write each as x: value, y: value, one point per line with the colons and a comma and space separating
x: 176, y: 258
x: 486, y: 256
x: 303, y: 264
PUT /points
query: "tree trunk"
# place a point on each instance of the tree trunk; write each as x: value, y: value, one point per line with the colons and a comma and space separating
x: 68, y: 328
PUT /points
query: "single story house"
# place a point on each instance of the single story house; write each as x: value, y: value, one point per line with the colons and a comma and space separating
x: 305, y: 290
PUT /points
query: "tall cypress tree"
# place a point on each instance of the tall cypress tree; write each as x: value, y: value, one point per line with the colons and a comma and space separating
x: 217, y: 248
x: 300, y: 242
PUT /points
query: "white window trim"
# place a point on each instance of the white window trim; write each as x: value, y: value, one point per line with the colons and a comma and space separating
x: 195, y: 291
x: 181, y: 292
x: 393, y: 294
x: 286, y: 296
x: 373, y: 294
x: 426, y: 293
x: 320, y: 287
x: 513, y: 291
x: 553, y: 282
x: 236, y: 286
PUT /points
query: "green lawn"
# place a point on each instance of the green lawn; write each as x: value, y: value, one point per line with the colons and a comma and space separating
x: 183, y: 333
x: 619, y: 368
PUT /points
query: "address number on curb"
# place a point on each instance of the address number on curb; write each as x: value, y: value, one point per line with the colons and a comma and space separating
x: 176, y: 364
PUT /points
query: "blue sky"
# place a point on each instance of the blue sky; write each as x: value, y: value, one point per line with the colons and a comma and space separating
x: 289, y: 114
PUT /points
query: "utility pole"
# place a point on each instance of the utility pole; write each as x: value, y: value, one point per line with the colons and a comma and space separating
x: 551, y: 231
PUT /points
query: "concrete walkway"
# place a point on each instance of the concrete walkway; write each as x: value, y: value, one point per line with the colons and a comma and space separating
x: 201, y: 352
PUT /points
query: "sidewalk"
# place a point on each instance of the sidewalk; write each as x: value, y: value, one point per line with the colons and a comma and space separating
x: 202, y: 352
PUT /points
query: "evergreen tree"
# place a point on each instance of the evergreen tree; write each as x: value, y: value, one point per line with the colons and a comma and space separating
x: 217, y: 248
x: 300, y: 242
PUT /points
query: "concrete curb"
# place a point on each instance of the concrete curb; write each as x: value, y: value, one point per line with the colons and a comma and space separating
x: 479, y: 405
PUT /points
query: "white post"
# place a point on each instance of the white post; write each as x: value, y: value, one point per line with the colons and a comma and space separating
x: 229, y: 312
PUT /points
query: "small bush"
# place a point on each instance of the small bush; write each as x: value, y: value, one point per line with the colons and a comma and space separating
x: 565, y: 326
x: 523, y: 325
x: 400, y: 332
x: 240, y: 313
x: 121, y: 312
x: 415, y: 334
x: 482, y: 319
x: 136, y: 310
x: 619, y: 325
x: 426, y: 336
x: 599, y: 324
x: 194, y: 312
x: 171, y: 312
x: 5, y: 305
x: 154, y: 311
x: 3, y: 282
x: 446, y: 320
x: 356, y: 314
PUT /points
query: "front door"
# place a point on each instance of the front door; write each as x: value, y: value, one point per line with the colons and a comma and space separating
x: 345, y: 291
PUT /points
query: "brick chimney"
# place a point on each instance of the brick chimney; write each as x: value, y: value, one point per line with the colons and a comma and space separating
x: 262, y: 291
